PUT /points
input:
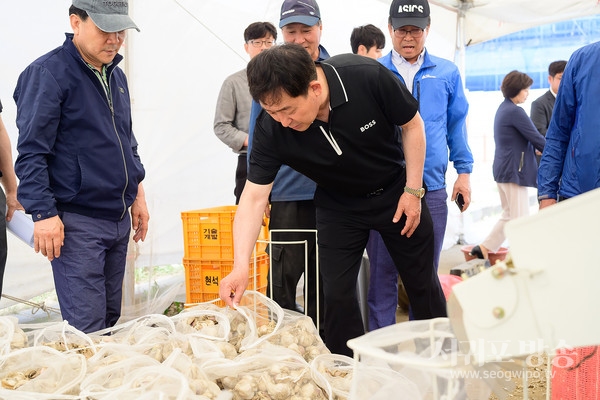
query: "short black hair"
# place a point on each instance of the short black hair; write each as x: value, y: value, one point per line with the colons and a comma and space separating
x: 514, y: 82
x: 556, y: 67
x: 257, y: 30
x: 79, y: 12
x: 368, y: 35
x: 285, y: 69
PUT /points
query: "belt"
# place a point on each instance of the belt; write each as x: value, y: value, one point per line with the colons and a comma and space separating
x: 375, y: 193
x: 381, y: 190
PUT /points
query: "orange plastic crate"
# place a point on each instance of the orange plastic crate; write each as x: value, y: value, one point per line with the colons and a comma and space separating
x: 202, y: 277
x: 208, y: 233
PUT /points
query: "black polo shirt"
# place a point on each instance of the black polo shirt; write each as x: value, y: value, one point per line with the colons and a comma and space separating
x: 355, y: 153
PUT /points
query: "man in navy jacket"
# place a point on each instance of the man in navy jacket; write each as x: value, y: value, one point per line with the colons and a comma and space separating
x: 79, y: 170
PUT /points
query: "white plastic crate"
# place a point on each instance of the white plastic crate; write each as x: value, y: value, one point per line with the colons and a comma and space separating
x: 414, y: 360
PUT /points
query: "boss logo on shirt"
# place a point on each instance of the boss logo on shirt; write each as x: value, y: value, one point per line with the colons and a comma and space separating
x: 367, y: 126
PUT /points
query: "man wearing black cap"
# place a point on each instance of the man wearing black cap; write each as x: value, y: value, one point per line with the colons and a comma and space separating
x: 292, y: 206
x: 437, y: 85
x: 79, y: 169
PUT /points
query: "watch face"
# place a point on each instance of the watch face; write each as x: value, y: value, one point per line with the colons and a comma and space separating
x: 415, y: 192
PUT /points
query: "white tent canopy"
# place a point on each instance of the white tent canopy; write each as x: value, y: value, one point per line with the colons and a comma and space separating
x: 483, y: 20
x: 176, y: 65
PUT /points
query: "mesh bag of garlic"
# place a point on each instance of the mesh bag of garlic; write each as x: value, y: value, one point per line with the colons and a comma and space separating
x: 12, y: 336
x: 203, y: 323
x: 64, y: 337
x: 41, y: 369
x: 336, y: 370
x: 269, y: 372
x: 299, y: 333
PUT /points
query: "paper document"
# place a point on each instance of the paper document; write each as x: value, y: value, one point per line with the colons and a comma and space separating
x: 21, y: 225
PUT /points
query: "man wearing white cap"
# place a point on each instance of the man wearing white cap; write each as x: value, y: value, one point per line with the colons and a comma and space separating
x: 79, y: 169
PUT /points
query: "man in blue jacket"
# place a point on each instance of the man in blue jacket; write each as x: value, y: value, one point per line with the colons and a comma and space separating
x: 570, y: 162
x: 79, y: 170
x: 437, y: 85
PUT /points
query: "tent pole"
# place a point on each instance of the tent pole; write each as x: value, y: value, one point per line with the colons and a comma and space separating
x: 460, y: 42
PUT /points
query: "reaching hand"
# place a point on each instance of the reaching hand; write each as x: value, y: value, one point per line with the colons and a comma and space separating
x: 233, y: 286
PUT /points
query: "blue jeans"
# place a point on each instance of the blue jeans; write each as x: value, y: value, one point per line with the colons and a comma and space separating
x: 88, y: 275
x: 382, y: 297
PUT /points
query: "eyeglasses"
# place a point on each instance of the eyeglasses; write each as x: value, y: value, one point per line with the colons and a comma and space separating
x: 259, y: 43
x: 415, y: 33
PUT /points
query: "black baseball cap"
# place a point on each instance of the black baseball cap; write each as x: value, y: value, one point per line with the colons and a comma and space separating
x: 409, y: 12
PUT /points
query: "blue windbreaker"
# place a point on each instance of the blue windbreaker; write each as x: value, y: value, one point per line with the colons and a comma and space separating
x: 76, y: 152
x: 443, y: 106
x: 570, y: 163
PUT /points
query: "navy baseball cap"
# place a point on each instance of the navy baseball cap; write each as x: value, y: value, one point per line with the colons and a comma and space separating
x: 299, y: 11
x: 409, y: 12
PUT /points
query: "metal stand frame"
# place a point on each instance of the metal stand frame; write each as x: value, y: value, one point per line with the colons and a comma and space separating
x: 270, y: 242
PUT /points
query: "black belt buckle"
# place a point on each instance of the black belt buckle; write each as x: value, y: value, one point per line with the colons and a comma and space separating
x: 375, y: 193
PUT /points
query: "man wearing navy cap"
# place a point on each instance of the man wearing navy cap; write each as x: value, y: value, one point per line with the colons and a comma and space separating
x: 79, y: 169
x: 292, y: 205
x: 437, y: 85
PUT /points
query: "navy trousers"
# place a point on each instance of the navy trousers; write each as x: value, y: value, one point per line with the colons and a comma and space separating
x: 88, y: 275
x: 382, y: 296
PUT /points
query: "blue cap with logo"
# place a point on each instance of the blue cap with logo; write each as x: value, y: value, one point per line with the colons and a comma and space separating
x: 299, y: 11
x: 409, y: 13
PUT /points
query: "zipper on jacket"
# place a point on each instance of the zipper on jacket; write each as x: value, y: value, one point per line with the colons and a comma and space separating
x: 521, y: 161
x: 112, y: 112
x: 418, y: 94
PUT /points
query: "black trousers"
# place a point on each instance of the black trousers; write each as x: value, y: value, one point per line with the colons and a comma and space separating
x: 343, y: 224
x: 289, y: 259
x: 241, y: 172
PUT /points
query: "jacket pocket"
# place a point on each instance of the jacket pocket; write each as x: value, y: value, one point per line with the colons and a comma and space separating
x: 277, y: 267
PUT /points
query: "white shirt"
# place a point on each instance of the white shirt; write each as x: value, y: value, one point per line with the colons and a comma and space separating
x: 407, y: 70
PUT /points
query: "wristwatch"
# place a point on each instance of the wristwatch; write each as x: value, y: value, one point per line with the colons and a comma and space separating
x: 415, y: 192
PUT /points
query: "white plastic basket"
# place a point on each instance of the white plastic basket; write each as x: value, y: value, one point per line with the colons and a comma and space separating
x: 413, y: 360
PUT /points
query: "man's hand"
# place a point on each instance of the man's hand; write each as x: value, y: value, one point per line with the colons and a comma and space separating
x: 233, y: 286
x: 139, y: 218
x: 547, y: 203
x: 12, y: 204
x: 409, y: 205
x: 462, y: 186
x: 49, y: 237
